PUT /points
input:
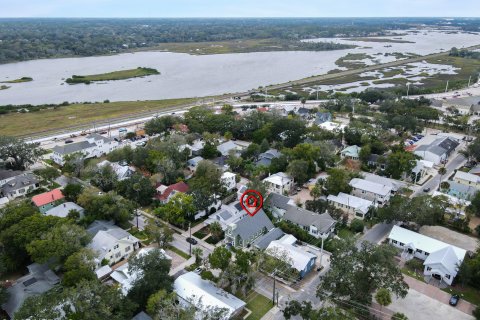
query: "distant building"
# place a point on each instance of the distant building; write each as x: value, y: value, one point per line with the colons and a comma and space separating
x: 352, y: 205
x: 437, y: 151
x: 265, y: 158
x: 39, y: 279
x: 93, y: 146
x: 193, y: 163
x: 192, y: 289
x: 7, y: 175
x: 322, y: 117
x: 243, y: 232
x: 47, y: 200
x: 164, y: 193
x: 279, y: 182
x: 351, y: 152
x: 228, y: 146
x: 228, y: 180
x: 18, y: 185
x: 122, y: 171
x: 63, y: 209
x: 441, y: 260
x: 467, y: 179
x: 378, y: 193
x: 111, y: 242
x: 332, y: 126
x: 301, y: 260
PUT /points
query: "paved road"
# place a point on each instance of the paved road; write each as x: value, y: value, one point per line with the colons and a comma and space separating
x: 376, y: 234
x: 434, y: 182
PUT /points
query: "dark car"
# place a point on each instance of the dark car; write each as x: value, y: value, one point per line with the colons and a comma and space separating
x: 426, y: 189
x: 192, y: 240
x: 454, y: 300
x: 68, y: 141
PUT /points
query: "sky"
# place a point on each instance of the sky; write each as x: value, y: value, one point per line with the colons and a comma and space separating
x: 239, y: 8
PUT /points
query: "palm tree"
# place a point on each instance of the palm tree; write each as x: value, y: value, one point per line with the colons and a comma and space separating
x: 442, y: 171
x: 216, y: 230
x: 198, y: 253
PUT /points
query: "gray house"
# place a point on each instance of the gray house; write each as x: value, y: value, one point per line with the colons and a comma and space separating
x: 19, y: 185
x: 39, y: 280
x: 265, y: 159
x: 245, y: 231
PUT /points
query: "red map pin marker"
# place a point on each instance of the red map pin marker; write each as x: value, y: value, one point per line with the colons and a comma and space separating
x: 251, y: 201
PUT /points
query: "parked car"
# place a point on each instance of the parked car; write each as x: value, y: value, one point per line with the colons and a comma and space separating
x: 192, y: 240
x: 426, y: 189
x: 68, y: 141
x: 454, y: 300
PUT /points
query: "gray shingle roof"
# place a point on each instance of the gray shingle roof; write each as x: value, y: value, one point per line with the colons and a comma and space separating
x: 142, y: 316
x: 264, y: 241
x: 5, y: 174
x: 323, y: 222
x: 73, y: 147
x: 249, y: 226
x: 440, y: 146
x: 278, y: 200
x: 19, y: 182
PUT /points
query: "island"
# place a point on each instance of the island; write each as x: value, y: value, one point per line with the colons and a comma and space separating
x: 22, y: 79
x: 4, y: 87
x: 115, y: 75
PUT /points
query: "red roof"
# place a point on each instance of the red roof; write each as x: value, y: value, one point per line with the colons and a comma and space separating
x: 179, y: 187
x: 47, y: 197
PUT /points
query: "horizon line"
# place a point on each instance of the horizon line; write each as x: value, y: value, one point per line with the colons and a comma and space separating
x: 246, y: 17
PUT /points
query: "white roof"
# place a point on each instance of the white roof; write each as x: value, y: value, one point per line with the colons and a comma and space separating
x: 467, y: 176
x: 392, y: 183
x: 103, y: 271
x: 332, y: 126
x: 357, y: 203
x: 225, y: 147
x: 279, y: 179
x: 370, y: 186
x: 419, y: 241
x: 227, y: 175
x: 300, y: 258
x: 445, y: 257
x: 452, y: 199
x: 3, y: 201
x: 63, y: 209
x: 191, y: 287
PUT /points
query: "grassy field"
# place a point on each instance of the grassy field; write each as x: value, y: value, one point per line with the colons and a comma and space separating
x: 18, y: 124
x: 353, y: 60
x: 259, y: 305
x: 380, y: 40
x: 22, y: 79
x: 115, y: 75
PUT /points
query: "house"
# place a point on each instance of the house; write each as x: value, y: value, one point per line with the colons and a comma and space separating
x: 39, y: 280
x: 125, y: 277
x: 303, y: 112
x: 351, y: 152
x: 441, y: 260
x: 164, y: 193
x: 317, y: 225
x: 111, y: 242
x: 332, y: 126
x: 460, y: 190
x: 7, y: 175
x: 299, y: 259
x: 376, y: 192
x: 475, y: 170
x: 263, y: 242
x: 103, y: 272
x: 228, y: 146
x: 265, y: 158
x: 279, y: 182
x: 352, y: 205
x: 243, y: 232
x: 421, y: 169
x: 228, y: 180
x: 467, y: 179
x: 47, y: 200
x: 375, y: 161
x: 93, y: 146
x: 322, y: 117
x: 192, y: 289
x: 19, y: 185
x: 63, y: 209
x: 193, y: 163
x: 465, y: 105
x: 395, y: 185
x: 142, y: 316
x: 457, y: 206
x: 122, y: 171
x: 438, y: 150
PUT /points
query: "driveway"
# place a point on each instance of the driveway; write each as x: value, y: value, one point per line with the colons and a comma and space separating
x: 376, y: 234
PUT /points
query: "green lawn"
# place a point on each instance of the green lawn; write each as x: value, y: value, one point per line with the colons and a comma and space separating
x: 345, y: 233
x: 259, y: 305
x: 179, y: 252
x: 202, y: 233
x: 78, y: 114
x: 115, y: 75
x: 467, y: 293
x: 412, y: 274
x: 22, y: 79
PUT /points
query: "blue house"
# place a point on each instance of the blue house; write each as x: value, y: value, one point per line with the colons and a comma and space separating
x: 461, y: 191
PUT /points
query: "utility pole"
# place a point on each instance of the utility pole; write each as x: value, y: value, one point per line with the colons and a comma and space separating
x: 190, y: 242
x: 274, y: 279
x: 446, y: 88
x: 317, y: 92
x: 469, y: 79
x: 408, y: 88
x: 321, y: 250
x: 277, y: 297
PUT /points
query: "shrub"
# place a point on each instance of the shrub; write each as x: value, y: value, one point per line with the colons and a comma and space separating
x: 357, y: 225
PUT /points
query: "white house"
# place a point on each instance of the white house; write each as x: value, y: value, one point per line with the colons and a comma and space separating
x: 228, y: 146
x: 279, y: 182
x: 441, y: 260
x: 93, y: 146
x: 438, y: 150
x: 376, y: 192
x: 228, y: 180
x: 19, y: 185
x: 63, y: 209
x: 355, y: 206
x: 111, y: 242
x: 126, y: 277
x: 351, y: 152
x: 192, y: 289
x: 299, y: 259
x: 467, y: 179
x: 332, y: 126
x: 122, y: 171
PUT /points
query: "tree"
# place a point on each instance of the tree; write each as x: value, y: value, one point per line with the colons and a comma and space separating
x: 152, y: 269
x: 469, y: 271
x: 383, y: 297
x: 79, y: 266
x: 356, y: 225
x: 161, y: 235
x: 3, y: 295
x: 18, y: 154
x: 278, y: 164
x: 220, y: 258
x: 177, y: 209
x: 252, y: 151
x: 306, y: 312
x: 87, y: 300
x: 197, y: 253
x: 316, y: 192
x: 400, y: 162
x: 137, y: 188
x: 72, y: 191
x: 399, y: 316
x: 109, y: 206
x: 206, y: 185
x: 264, y: 146
x: 337, y: 181
x: 49, y: 173
x: 256, y: 184
x: 74, y: 164
x: 58, y: 243
x: 216, y: 230
x: 105, y: 178
x: 298, y: 169
x: 356, y: 273
x: 209, y: 150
